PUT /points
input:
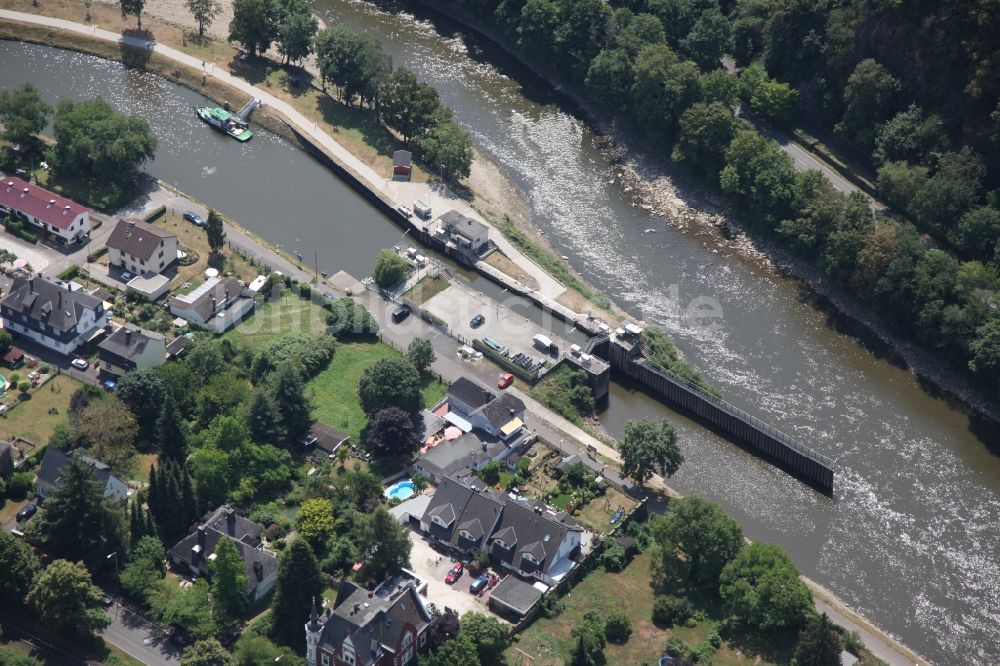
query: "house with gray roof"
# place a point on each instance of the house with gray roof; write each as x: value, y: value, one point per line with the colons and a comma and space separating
x: 464, y: 232
x: 513, y: 598
x: 50, y: 474
x: 131, y: 348
x: 51, y: 314
x: 141, y: 247
x: 526, y: 538
x: 366, y: 629
x: 498, y: 416
x: 467, y: 453
x: 196, y: 551
x: 218, y: 304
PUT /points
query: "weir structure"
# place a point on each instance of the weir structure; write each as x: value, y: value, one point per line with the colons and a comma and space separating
x: 625, y: 351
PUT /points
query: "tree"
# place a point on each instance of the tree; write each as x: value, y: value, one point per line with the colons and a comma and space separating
x: 315, y: 523
x: 216, y: 232
x: 299, y: 583
x: 296, y: 32
x: 254, y: 25
x: 444, y: 627
x: 421, y: 353
x: 132, y: 7
x: 66, y: 600
x: 139, y: 579
x: 705, y: 132
x: 819, y: 643
x: 617, y: 626
x: 590, y: 640
x: 251, y: 650
x: 910, y: 137
x: 143, y: 394
x: 24, y: 386
x: 348, y: 319
x: 708, y: 39
x: 290, y: 398
x: 23, y: 114
x: 391, y: 432
x: 700, y: 529
x: 609, y: 78
x: 204, y: 12
x: 487, y: 634
x: 171, y: 440
x: 760, y: 176
x: 978, y: 232
x: 762, y: 590
x: 78, y: 522
x: 96, y: 143
x: 221, y: 394
x: 669, y: 610
x: 955, y: 188
x: 448, y: 148
x: 228, y: 581
x: 648, y: 446
x: 263, y: 418
x: 868, y: 98
x: 18, y: 569
x: 775, y: 101
x: 458, y: 651
x: 638, y: 31
x: 149, y: 548
x: 384, y: 543
x: 111, y: 430
x: 208, y: 652
x: 390, y: 382
x: 390, y: 269
x: 985, y: 349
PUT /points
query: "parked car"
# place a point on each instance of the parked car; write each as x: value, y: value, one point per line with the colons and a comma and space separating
x: 194, y: 218
x: 126, y: 276
x: 506, y: 379
x: 27, y: 511
x: 178, y: 636
x: 477, y: 321
x: 110, y: 385
x: 456, y: 572
x: 107, y: 599
x: 308, y: 441
x: 477, y: 586
x: 407, y: 213
x: 400, y: 313
x: 80, y: 363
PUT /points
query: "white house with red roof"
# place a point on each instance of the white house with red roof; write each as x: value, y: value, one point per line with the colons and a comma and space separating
x: 62, y: 220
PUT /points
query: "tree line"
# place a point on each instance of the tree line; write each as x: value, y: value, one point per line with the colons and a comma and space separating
x: 658, y: 62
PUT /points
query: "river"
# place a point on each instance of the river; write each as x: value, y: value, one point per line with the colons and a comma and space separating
x: 910, y: 538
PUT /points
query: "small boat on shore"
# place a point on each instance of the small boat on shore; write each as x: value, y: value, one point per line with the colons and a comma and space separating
x: 225, y: 122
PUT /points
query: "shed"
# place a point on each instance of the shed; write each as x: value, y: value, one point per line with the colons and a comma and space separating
x: 14, y: 358
x: 514, y: 598
x: 328, y: 440
x: 410, y: 511
x: 402, y: 161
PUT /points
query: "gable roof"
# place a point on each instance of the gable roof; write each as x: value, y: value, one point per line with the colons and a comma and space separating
x: 129, y: 342
x: 54, y: 460
x: 463, y: 224
x: 214, y: 295
x: 451, y: 456
x: 371, y: 624
x: 137, y: 238
x: 469, y: 393
x: 39, y: 203
x: 38, y: 302
x: 532, y: 531
x: 504, y: 409
x: 328, y: 439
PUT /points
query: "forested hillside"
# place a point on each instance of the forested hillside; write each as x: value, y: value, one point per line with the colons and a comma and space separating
x: 912, y: 85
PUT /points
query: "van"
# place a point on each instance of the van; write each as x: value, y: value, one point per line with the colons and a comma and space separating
x: 400, y: 313
x: 422, y: 209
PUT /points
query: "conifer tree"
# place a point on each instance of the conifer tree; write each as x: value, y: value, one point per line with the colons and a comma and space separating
x: 299, y: 582
x: 228, y: 579
x: 153, y: 497
x: 819, y: 644
x: 137, y: 524
x: 264, y: 418
x: 170, y: 438
x: 189, y: 502
x: 290, y: 397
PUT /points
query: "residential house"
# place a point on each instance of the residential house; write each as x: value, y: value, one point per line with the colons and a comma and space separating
x: 51, y: 314
x: 526, y: 538
x: 196, y: 551
x: 365, y: 629
x: 51, y: 470
x: 464, y: 232
x: 328, y: 440
x: 218, y: 304
x: 141, y: 247
x: 498, y: 416
x: 452, y: 457
x: 131, y: 348
x: 60, y: 219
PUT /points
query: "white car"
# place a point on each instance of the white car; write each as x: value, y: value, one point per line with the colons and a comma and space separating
x: 407, y: 213
x: 80, y: 363
x: 126, y: 276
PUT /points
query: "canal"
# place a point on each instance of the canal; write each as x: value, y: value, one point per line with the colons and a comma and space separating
x: 911, y: 537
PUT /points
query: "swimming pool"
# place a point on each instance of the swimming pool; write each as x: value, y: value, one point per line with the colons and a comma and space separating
x: 400, y: 490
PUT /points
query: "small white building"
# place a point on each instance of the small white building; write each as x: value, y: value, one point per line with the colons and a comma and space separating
x: 464, y: 231
x: 60, y: 219
x: 50, y: 314
x: 140, y: 247
x: 218, y: 304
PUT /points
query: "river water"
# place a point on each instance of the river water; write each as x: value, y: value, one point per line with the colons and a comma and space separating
x: 910, y: 539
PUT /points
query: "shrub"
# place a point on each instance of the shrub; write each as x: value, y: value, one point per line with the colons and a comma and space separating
x: 44, y: 369
x: 613, y: 557
x: 19, y: 486
x: 305, y: 292
x: 675, y: 647
x: 24, y: 386
x: 552, y: 605
x: 70, y: 273
x: 617, y: 626
x: 669, y: 610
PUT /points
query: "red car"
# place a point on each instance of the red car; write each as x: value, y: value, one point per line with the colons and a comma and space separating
x: 455, y: 573
x: 506, y: 379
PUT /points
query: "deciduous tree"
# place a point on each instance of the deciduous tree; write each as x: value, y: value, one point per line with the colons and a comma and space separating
x: 391, y: 432
x: 700, y: 529
x: 761, y: 589
x: 207, y: 652
x: 647, y: 447
x: 447, y: 147
x: 216, y: 232
x: 384, y: 543
x: 18, y: 569
x: 228, y: 581
x: 254, y: 25
x: 489, y: 636
x: 23, y: 114
x: 421, y: 353
x: 143, y: 394
x: 129, y: 7
x: 94, y: 141
x: 819, y: 644
x: 204, y: 12
x: 390, y: 382
x: 66, y: 600
x: 315, y: 522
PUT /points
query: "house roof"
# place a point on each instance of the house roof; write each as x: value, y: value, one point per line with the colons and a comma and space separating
x: 463, y: 224
x: 568, y: 462
x: 214, y: 295
x: 416, y: 506
x: 431, y: 423
x: 13, y: 354
x: 372, y: 624
x: 470, y: 393
x: 177, y: 346
x: 128, y: 343
x: 516, y: 594
x: 504, y: 409
x: 454, y: 455
x: 54, y: 460
x: 137, y: 238
x: 39, y: 202
x: 37, y: 302
x: 402, y: 158
x: 223, y: 523
x: 327, y: 438
x: 529, y: 530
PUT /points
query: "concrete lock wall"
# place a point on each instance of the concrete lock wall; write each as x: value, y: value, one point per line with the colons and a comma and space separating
x: 764, y: 443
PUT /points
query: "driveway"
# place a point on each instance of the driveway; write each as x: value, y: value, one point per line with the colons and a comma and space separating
x: 432, y: 566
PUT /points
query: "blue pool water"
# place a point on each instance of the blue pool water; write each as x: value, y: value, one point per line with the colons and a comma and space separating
x: 400, y: 490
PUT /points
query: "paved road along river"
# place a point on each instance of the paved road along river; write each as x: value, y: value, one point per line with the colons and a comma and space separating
x: 908, y: 540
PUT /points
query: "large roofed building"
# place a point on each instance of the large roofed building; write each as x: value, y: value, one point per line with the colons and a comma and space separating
x: 51, y: 314
x: 218, y: 304
x: 131, y: 348
x: 61, y: 219
x: 141, y: 247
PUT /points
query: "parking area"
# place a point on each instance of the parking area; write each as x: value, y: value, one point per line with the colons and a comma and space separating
x: 432, y: 566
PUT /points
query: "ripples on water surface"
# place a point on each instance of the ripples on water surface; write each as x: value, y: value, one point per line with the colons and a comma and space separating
x: 911, y: 539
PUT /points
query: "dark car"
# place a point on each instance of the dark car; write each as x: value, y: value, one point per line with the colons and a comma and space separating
x: 107, y: 600
x: 194, y: 218
x: 110, y: 385
x: 399, y: 314
x: 27, y: 511
x: 230, y: 637
x: 477, y: 321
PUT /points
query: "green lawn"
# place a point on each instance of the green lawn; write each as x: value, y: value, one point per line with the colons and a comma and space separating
x: 335, y: 390
x: 549, y: 640
x: 35, y: 418
x: 427, y: 289
x: 285, y: 316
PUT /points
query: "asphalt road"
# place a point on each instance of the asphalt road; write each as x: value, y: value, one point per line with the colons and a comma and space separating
x: 141, y: 639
